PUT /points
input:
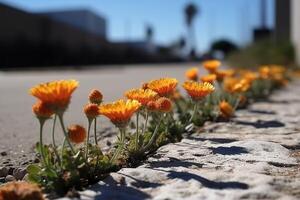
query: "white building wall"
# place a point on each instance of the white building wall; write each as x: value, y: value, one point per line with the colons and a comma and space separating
x: 295, y: 22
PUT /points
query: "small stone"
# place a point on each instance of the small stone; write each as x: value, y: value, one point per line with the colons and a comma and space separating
x: 25, y: 178
x: 108, y: 143
x: 10, y: 178
x: 2, y: 179
x: 19, y: 173
x: 25, y: 163
x: 3, y: 171
x: 11, y: 170
x: 3, y: 153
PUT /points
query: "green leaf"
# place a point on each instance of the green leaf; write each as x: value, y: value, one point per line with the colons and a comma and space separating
x: 33, y: 169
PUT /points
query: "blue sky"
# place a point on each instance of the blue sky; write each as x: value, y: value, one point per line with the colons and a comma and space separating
x: 230, y: 19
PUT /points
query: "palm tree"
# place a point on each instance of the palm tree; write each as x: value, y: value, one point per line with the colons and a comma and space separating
x: 190, y: 12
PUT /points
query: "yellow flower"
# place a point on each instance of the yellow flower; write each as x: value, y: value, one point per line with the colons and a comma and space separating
x: 120, y: 112
x: 95, y: 96
x: 210, y: 78
x: 142, y: 95
x: 91, y: 110
x: 76, y: 133
x: 164, y: 104
x: 20, y: 191
x: 41, y: 110
x: 211, y: 65
x: 192, y: 74
x: 56, y: 94
x: 163, y: 86
x: 197, y: 91
x: 226, y: 109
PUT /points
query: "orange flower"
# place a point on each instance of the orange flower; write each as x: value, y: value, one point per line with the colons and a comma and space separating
x: 250, y: 76
x: 229, y: 83
x: 175, y: 95
x: 211, y: 65
x: 242, y: 100
x: 91, y: 110
x: 144, y: 86
x: 192, y: 74
x: 41, y: 110
x: 152, y: 106
x: 221, y: 74
x: 277, y: 69
x: 241, y: 86
x: 76, y: 133
x: 120, y: 112
x: 20, y: 191
x: 197, y: 91
x: 226, y: 109
x: 56, y: 94
x: 141, y: 95
x: 164, y: 104
x: 264, y: 72
x: 163, y: 86
x: 95, y: 96
x: 210, y: 78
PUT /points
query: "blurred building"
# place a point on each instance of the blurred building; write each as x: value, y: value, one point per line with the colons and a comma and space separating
x: 262, y: 32
x: 287, y: 23
x: 282, y: 20
x: 35, y: 39
x: 295, y: 30
x: 83, y: 19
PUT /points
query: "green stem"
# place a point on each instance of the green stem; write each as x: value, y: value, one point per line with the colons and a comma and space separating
x: 120, y: 147
x: 60, y: 117
x: 88, y: 138
x: 62, y: 149
x: 42, y: 122
x: 53, y: 139
x: 95, y: 131
x: 194, y: 112
x: 237, y: 101
x: 137, y: 131
x: 146, y: 122
x: 154, y: 135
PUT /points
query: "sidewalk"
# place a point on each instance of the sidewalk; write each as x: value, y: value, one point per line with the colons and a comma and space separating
x: 256, y: 156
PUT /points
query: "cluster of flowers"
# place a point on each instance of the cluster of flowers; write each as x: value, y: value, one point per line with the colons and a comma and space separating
x: 162, y: 114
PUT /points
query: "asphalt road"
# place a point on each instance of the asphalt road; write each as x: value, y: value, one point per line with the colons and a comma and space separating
x: 18, y: 126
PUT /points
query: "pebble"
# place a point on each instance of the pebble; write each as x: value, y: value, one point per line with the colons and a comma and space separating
x: 11, y: 170
x: 3, y: 171
x: 19, y: 173
x: 3, y: 153
x: 25, y: 178
x: 10, y: 178
x: 2, y: 179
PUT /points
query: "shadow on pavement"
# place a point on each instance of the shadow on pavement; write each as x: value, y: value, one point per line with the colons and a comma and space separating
x: 117, y: 191
x: 261, y: 123
x: 173, y: 162
x: 233, y: 150
x: 218, y: 185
